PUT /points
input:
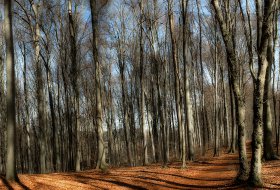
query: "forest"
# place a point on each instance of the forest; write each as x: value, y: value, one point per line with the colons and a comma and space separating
x: 139, y: 94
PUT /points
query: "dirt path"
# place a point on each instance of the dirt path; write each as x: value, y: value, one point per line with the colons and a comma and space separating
x: 207, y: 173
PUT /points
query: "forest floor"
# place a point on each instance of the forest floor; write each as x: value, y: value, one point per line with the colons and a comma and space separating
x: 206, y: 173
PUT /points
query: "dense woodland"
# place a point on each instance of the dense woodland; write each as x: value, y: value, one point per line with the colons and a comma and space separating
x: 97, y: 84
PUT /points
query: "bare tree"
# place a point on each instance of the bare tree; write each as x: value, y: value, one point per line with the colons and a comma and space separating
x: 145, y: 146
x: 264, y: 31
x: 227, y: 30
x: 75, y: 75
x: 101, y: 161
x: 176, y: 82
x: 11, y: 173
x: 189, y: 123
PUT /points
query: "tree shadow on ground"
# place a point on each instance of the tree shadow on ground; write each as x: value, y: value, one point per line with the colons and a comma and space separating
x: 187, y: 177
x: 8, y: 185
x: 230, y: 185
x: 22, y: 185
x: 151, y: 182
x: 86, y: 180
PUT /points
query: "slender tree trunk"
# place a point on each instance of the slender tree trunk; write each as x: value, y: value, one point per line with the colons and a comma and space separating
x: 26, y: 107
x: 275, y: 38
x: 74, y: 80
x: 203, y: 122
x: 225, y: 115
x: 216, y: 102
x: 110, y: 123
x: 11, y: 173
x: 101, y: 161
x: 267, y: 116
x: 142, y: 101
x: 234, y: 72
x: 166, y: 120
x: 264, y: 30
x: 53, y: 118
x: 154, y: 125
x: 40, y: 92
x: 161, y: 114
x: 2, y: 108
x: 233, y: 130
x: 257, y: 137
x: 278, y: 126
x: 189, y: 121
x: 176, y: 82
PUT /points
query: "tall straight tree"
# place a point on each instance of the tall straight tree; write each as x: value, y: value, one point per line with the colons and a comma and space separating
x: 74, y: 74
x: 40, y: 89
x: 176, y: 81
x: 188, y: 103
x: 101, y: 160
x: 267, y: 114
x: 26, y: 107
x: 203, y: 110
x: 227, y: 30
x: 264, y: 12
x: 142, y: 101
x: 11, y: 173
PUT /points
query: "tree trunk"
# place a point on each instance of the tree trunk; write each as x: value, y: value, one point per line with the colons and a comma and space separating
x: 11, y: 173
x: 225, y: 115
x: 74, y: 81
x: 257, y: 136
x: 110, y: 123
x: 216, y: 102
x: 267, y: 116
x: 264, y: 30
x: 234, y: 72
x: 142, y: 101
x: 189, y: 121
x: 232, y: 110
x: 154, y: 125
x: 101, y: 160
x: 40, y: 92
x: 176, y: 83
x: 26, y: 107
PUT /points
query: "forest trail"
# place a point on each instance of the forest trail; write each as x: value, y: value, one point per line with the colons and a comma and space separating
x: 205, y: 173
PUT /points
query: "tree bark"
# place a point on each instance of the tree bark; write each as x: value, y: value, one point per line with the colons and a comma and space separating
x: 101, y: 160
x: 189, y: 120
x: 176, y: 83
x: 26, y: 107
x: 40, y: 91
x: 267, y: 115
x: 74, y: 80
x: 11, y: 173
x: 264, y: 30
x: 142, y: 101
x: 216, y: 100
x: 232, y: 110
x: 227, y: 34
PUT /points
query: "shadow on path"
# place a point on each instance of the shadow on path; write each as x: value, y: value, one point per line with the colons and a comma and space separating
x: 6, y: 183
x: 22, y: 185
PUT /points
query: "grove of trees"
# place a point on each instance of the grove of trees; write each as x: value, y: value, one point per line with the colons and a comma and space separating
x: 106, y: 83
